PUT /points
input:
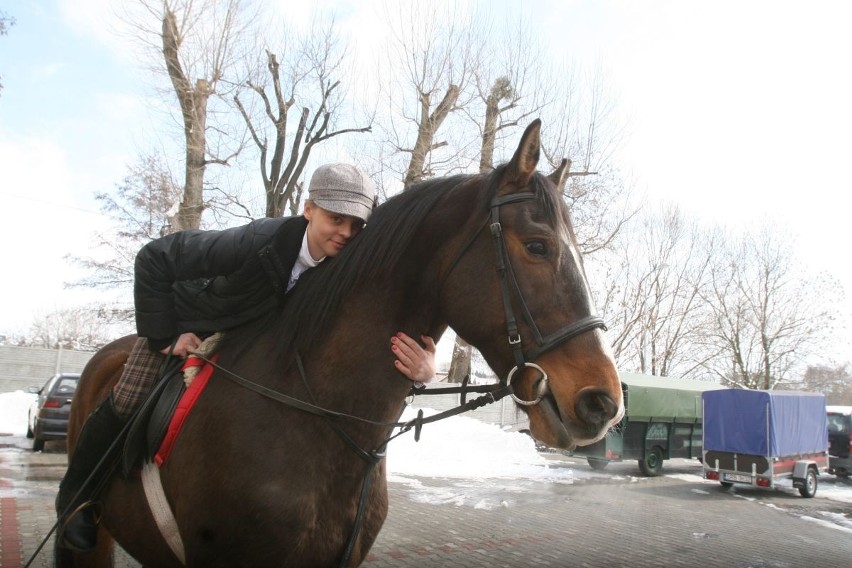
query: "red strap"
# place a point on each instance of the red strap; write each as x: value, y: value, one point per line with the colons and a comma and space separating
x: 184, y: 406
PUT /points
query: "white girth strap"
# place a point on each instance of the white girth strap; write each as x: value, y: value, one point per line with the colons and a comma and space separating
x: 163, y: 515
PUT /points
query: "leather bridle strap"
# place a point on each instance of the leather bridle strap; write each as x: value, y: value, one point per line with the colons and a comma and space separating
x: 579, y: 327
x: 509, y: 283
x: 503, y: 266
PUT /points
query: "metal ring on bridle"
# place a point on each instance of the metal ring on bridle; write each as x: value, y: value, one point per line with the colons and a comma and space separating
x: 540, y: 392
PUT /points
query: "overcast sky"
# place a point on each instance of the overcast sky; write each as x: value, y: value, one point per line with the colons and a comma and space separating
x: 736, y: 110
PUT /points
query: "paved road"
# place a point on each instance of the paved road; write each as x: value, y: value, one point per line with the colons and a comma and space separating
x: 615, y: 520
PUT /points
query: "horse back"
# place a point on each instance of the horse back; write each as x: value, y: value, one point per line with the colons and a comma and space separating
x: 100, y: 374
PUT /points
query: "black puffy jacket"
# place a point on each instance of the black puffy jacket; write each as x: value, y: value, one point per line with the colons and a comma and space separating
x: 207, y: 281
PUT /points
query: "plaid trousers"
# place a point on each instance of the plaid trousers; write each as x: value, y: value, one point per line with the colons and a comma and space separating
x: 141, y: 373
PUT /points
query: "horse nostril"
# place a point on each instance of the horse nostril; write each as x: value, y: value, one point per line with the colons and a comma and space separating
x: 595, y: 407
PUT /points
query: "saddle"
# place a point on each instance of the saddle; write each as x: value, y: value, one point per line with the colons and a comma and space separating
x: 150, y: 424
x: 154, y: 428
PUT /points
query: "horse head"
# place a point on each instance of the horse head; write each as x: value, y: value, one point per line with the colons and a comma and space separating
x: 535, y: 323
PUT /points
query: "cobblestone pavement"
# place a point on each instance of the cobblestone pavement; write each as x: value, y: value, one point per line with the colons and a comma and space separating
x: 614, y: 520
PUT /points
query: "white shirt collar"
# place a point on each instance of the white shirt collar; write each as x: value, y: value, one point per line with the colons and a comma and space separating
x: 303, y: 262
x: 305, y: 257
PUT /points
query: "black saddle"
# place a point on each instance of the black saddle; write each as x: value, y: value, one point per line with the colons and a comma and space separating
x: 149, y: 425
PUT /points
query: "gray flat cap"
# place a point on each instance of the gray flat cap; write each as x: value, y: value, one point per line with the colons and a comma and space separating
x: 343, y: 189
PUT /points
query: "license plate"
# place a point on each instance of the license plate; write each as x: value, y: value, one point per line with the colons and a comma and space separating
x: 738, y: 478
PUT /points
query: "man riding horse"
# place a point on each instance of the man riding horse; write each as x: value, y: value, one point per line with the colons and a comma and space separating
x: 191, y: 284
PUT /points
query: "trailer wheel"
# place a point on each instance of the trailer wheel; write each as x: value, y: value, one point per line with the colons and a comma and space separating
x: 726, y: 484
x: 652, y: 464
x: 597, y: 464
x: 809, y: 487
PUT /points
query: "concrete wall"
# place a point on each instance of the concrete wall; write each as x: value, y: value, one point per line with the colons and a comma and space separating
x: 23, y: 367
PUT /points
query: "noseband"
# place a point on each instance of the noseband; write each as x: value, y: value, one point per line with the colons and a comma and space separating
x: 509, y: 284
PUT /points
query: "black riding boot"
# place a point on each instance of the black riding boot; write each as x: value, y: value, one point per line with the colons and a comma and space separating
x: 80, y: 531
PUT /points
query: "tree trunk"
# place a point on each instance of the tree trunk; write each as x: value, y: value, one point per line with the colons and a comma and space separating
x: 426, y: 129
x: 193, y: 105
x: 460, y: 366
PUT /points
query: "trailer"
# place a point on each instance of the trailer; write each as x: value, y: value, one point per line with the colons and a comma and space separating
x: 662, y: 420
x: 757, y: 437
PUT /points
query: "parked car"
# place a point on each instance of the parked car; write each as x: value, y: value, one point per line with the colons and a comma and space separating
x: 48, y: 414
x: 840, y: 440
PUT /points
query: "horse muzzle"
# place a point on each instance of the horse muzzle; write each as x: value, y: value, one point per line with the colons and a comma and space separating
x: 594, y: 412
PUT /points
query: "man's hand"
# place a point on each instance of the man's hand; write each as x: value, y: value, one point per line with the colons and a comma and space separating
x: 185, y: 344
x: 415, y: 362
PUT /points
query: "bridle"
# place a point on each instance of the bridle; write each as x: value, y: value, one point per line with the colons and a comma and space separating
x: 509, y: 285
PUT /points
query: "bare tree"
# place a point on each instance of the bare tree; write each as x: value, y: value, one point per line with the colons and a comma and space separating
x: 652, y: 303
x: 139, y: 212
x: 310, y: 86
x: 429, y: 84
x: 198, y: 41
x: 582, y: 126
x: 510, y: 81
x: 77, y: 328
x: 834, y: 382
x: 768, y: 317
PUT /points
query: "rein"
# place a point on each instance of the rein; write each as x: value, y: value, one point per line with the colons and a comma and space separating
x: 493, y: 393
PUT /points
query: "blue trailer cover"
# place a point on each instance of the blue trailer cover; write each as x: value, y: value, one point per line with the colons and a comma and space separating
x: 764, y: 423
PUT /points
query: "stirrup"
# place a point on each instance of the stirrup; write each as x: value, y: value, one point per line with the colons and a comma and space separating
x: 69, y: 516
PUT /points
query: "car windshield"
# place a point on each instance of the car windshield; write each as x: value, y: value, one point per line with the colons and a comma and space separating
x: 840, y: 423
x: 66, y: 385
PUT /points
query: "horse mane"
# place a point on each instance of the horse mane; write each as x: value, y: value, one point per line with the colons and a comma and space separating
x: 314, y: 302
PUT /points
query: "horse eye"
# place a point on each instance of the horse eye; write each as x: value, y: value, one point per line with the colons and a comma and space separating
x: 537, y: 248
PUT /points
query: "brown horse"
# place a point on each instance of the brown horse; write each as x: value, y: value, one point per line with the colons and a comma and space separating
x: 253, y: 482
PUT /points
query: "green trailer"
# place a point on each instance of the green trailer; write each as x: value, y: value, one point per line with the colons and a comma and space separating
x: 662, y: 420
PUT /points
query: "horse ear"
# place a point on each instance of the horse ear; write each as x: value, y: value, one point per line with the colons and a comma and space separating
x: 559, y: 176
x: 522, y: 165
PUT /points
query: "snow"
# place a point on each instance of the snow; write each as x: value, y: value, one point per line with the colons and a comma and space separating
x: 477, y: 450
x: 465, y: 452
x: 13, y: 412
x: 469, y: 463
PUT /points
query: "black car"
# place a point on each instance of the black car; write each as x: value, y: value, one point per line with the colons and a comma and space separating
x: 48, y: 415
x: 840, y: 440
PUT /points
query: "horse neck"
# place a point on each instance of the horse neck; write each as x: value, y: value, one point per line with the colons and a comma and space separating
x: 353, y: 369
x: 354, y: 366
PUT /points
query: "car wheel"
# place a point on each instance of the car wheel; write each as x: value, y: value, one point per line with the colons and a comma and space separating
x: 30, y: 433
x: 652, y: 464
x: 38, y: 445
x: 809, y: 488
x: 597, y: 464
